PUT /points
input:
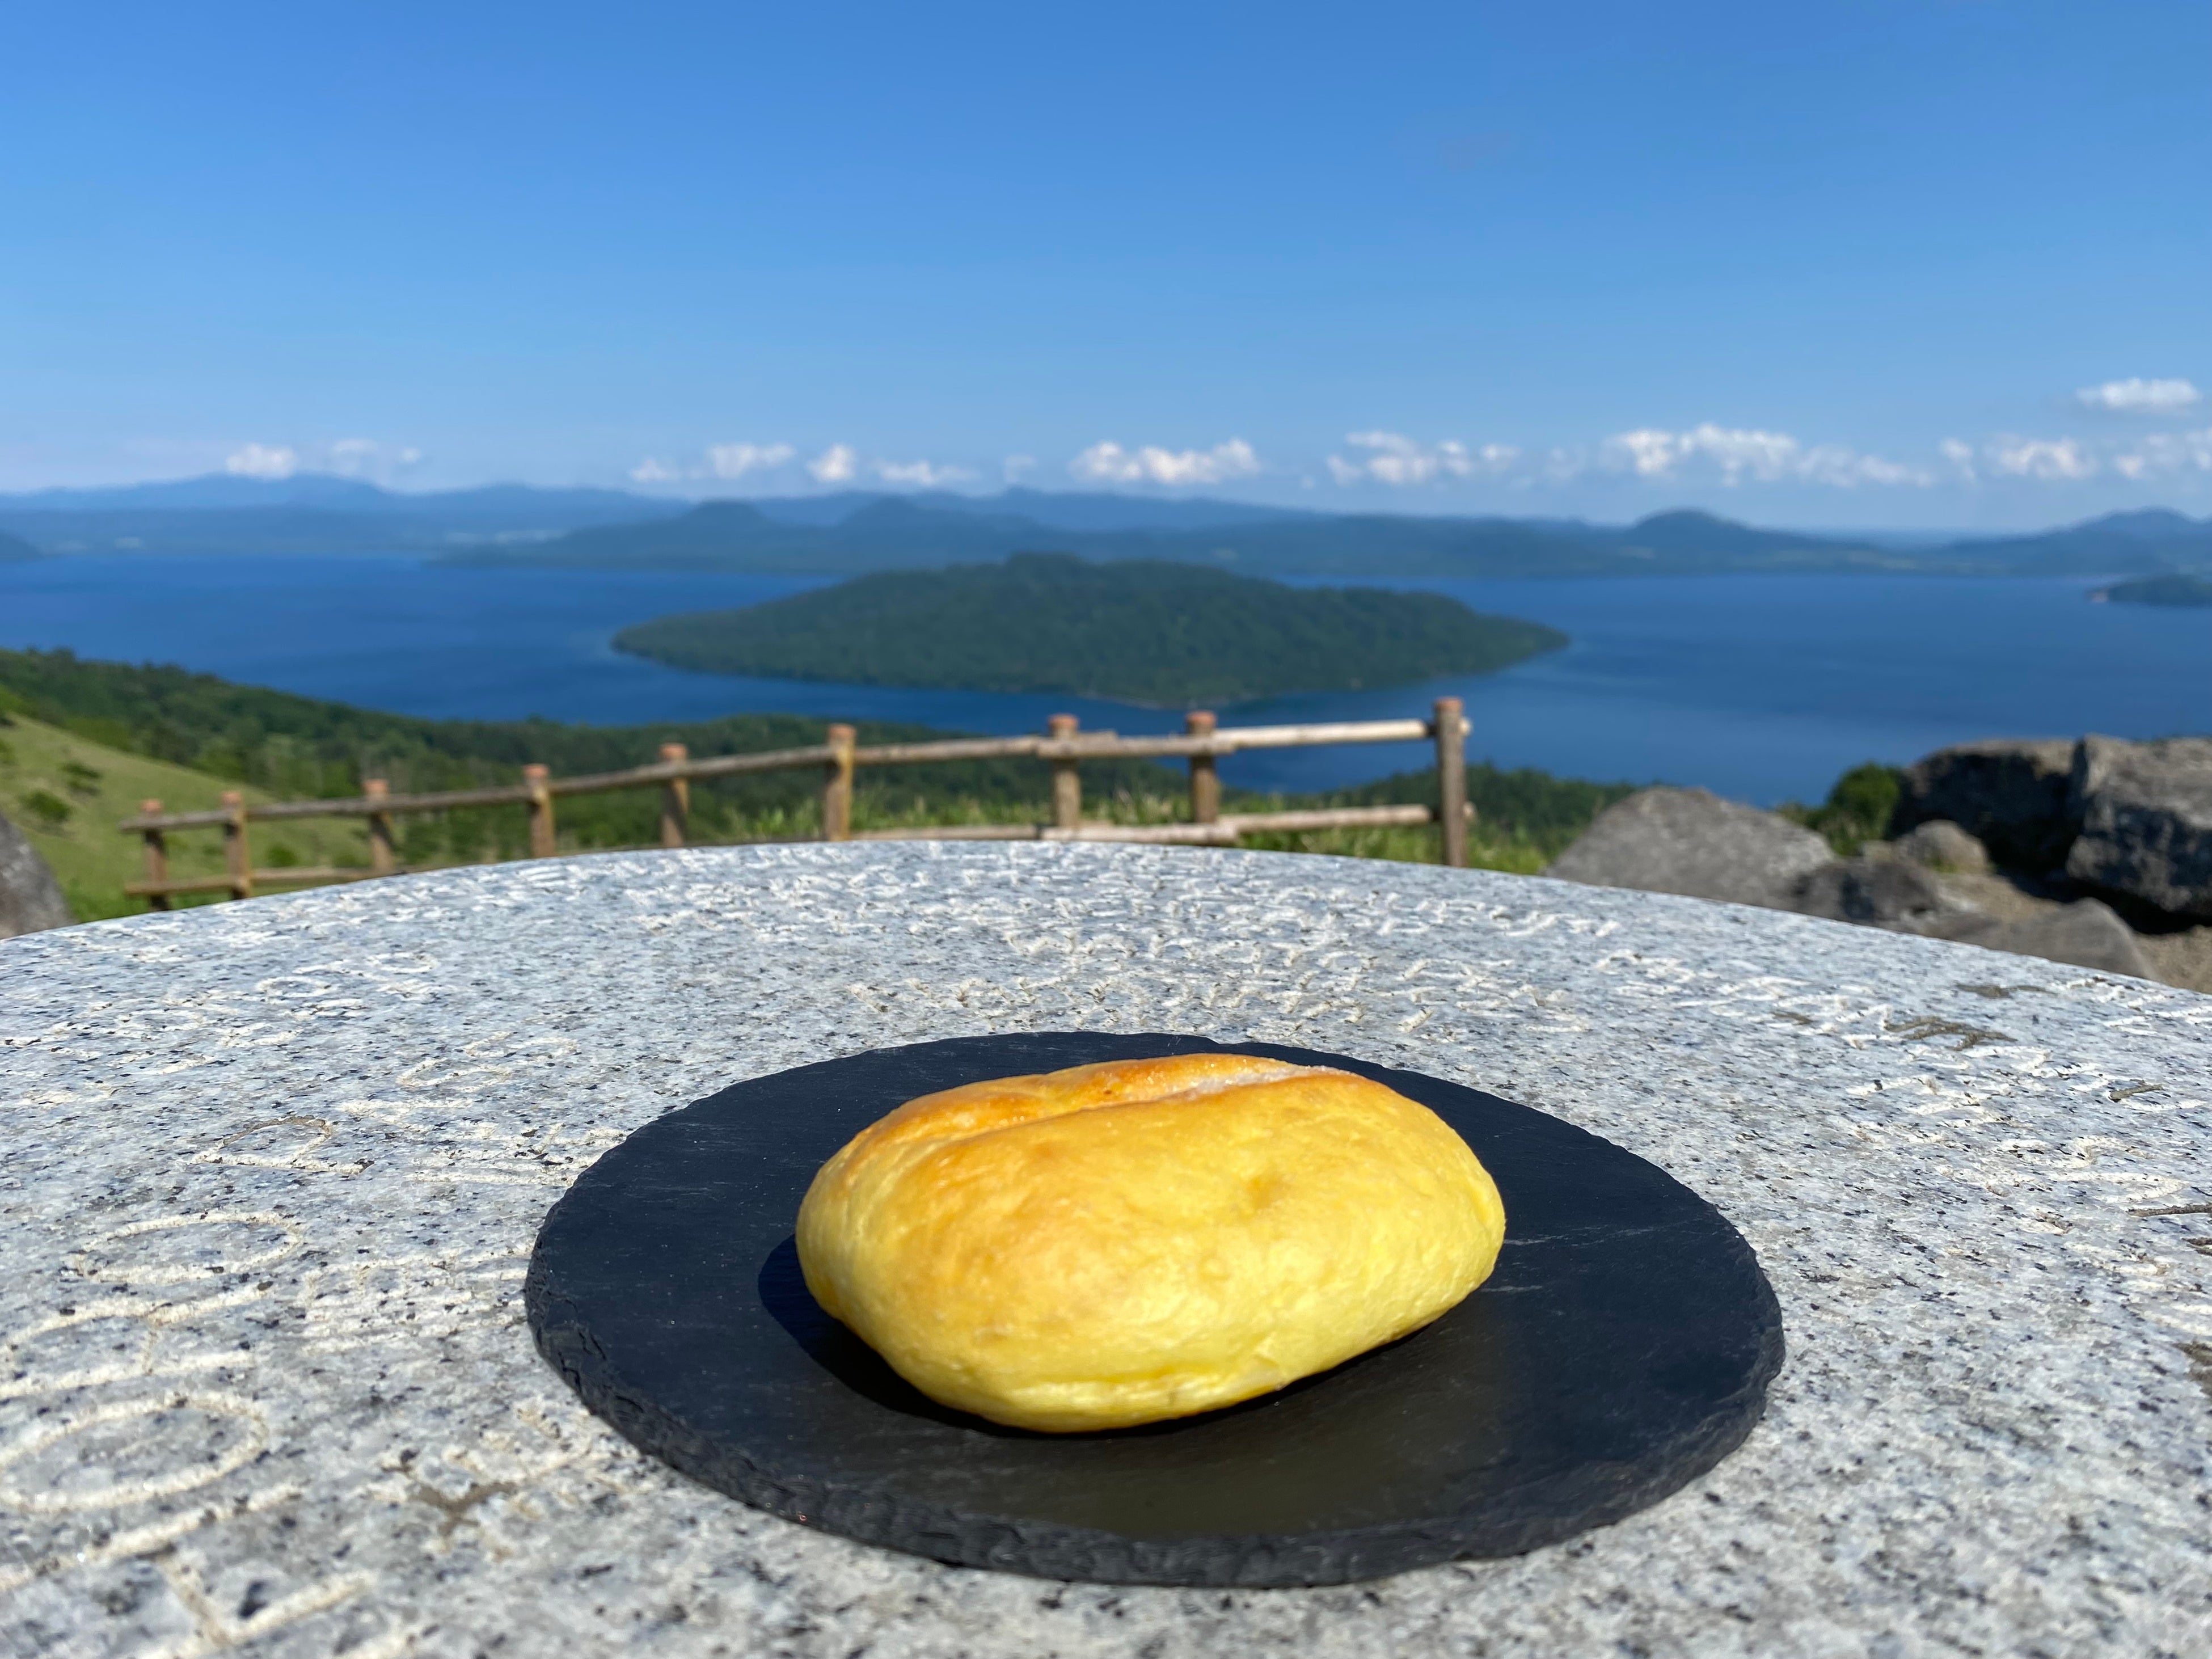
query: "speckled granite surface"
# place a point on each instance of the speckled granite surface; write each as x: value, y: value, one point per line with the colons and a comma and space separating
x: 273, y: 1169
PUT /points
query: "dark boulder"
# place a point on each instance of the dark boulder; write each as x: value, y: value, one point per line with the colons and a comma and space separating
x: 2084, y: 934
x: 30, y: 898
x: 2011, y: 794
x: 2145, y: 810
x: 1874, y: 892
x: 1692, y: 841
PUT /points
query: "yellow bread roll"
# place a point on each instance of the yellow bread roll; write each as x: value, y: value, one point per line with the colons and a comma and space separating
x: 1118, y: 1243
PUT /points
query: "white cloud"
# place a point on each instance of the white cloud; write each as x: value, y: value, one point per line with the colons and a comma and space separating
x: 359, y: 458
x: 2070, y: 461
x: 1109, y: 463
x: 2047, y: 459
x: 1560, y: 466
x: 1017, y: 467
x: 1646, y: 452
x: 840, y: 464
x: 921, y: 475
x: 1394, y: 458
x: 263, y: 461
x: 735, y: 460
x: 835, y: 464
x: 2165, y: 455
x: 2140, y: 397
x: 1738, y: 453
x: 1834, y: 464
x: 348, y: 458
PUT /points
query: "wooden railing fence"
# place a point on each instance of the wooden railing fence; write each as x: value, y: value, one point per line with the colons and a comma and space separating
x: 1064, y: 748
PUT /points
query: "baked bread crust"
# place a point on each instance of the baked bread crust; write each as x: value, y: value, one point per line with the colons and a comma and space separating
x: 1118, y: 1243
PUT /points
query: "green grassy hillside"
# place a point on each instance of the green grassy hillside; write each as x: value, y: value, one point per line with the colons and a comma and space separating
x: 1143, y: 631
x: 67, y: 792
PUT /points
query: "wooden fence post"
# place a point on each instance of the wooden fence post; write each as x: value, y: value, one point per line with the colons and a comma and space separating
x: 157, y: 858
x: 1066, y: 779
x: 541, y: 810
x: 1451, y: 781
x: 1204, y: 779
x: 381, y: 860
x: 238, y: 857
x: 675, y: 798
x: 837, y: 785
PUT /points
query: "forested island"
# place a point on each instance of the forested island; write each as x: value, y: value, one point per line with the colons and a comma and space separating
x: 2172, y: 589
x: 1143, y: 631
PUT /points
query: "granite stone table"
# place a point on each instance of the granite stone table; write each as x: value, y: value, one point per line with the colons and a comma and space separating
x: 273, y: 1170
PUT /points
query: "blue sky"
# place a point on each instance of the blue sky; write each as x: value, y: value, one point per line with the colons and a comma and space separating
x: 1895, y: 263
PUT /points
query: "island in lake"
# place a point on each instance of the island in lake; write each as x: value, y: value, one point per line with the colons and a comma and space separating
x: 1167, y: 635
x: 2172, y: 589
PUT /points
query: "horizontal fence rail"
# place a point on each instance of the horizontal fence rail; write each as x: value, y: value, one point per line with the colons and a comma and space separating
x: 1063, y: 747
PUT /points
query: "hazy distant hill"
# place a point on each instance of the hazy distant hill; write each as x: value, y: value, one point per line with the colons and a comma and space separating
x: 1055, y: 510
x: 309, y: 513
x: 14, y: 549
x: 323, y: 491
x: 1142, y: 631
x: 1103, y: 511
x: 1686, y: 534
x: 884, y: 533
x: 2117, y: 545
x: 215, y: 489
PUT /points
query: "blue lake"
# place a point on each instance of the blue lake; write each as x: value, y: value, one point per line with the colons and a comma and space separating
x: 1759, y: 687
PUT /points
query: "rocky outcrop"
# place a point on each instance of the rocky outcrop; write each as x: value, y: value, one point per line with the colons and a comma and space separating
x: 2083, y: 934
x: 30, y: 897
x: 2183, y: 959
x: 2145, y: 816
x: 1935, y: 880
x: 1941, y: 845
x: 1692, y: 841
x: 1900, y: 896
x: 2012, y: 794
x: 1888, y: 893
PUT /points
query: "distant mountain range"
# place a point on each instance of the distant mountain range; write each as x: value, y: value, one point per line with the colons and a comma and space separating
x: 892, y: 533
x: 855, y: 532
x: 309, y: 513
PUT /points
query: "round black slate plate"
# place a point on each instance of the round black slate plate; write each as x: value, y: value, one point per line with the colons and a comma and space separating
x: 1622, y: 1347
